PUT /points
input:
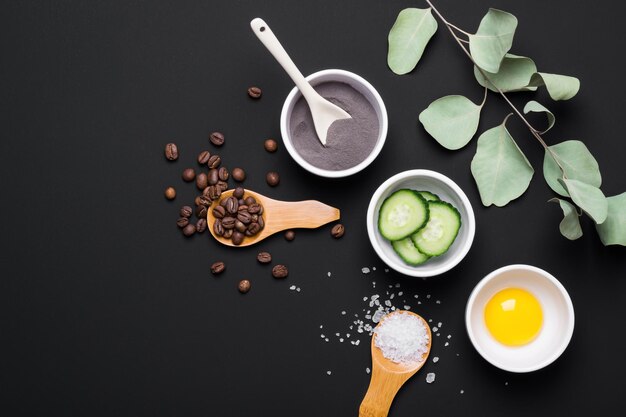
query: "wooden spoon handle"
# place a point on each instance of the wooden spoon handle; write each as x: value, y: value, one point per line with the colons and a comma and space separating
x: 380, y: 394
x: 309, y: 214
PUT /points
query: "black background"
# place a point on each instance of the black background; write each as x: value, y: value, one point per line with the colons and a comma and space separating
x: 108, y: 310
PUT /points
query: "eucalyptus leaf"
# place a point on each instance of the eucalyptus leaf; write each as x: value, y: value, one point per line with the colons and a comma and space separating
x: 589, y: 198
x: 560, y: 87
x: 613, y: 230
x: 533, y: 106
x: 577, y: 162
x: 451, y: 120
x: 500, y: 169
x: 570, y: 225
x: 514, y: 75
x: 408, y: 38
x: 493, y: 39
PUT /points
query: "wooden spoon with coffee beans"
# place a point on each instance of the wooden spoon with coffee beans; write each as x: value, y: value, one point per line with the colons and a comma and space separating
x: 277, y: 216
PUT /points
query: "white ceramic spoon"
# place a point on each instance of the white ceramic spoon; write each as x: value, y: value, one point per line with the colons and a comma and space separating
x: 324, y: 112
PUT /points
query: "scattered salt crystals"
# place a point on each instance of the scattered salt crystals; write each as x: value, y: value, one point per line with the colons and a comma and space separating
x: 378, y: 315
x: 438, y: 334
x: 419, y: 302
x: 328, y: 372
x: 415, y: 296
x: 329, y: 274
x: 368, y: 370
x: 343, y: 313
x: 337, y: 334
x: 388, y: 303
x: 449, y: 336
x: 373, y: 268
x: 462, y: 391
x: 398, y: 285
x: 322, y: 336
x: 438, y: 301
x: 439, y: 324
x: 364, y: 298
x: 430, y: 320
x: 446, y: 344
x: 326, y: 340
x: 347, y: 334
x: 400, y: 294
x: 407, y: 307
x: 365, y: 270
x: 386, y: 269
x: 321, y: 326
x: 341, y: 339
x: 436, y: 359
x: 435, y: 328
x: 391, y: 296
x: 506, y: 383
x: 428, y: 296
x: 402, y: 338
x: 293, y: 287
x: 357, y: 342
x: 430, y: 377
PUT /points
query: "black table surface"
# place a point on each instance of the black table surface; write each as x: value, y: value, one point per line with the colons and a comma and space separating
x: 107, y: 310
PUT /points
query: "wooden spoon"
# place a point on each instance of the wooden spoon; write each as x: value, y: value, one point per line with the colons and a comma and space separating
x: 388, y: 377
x: 278, y: 216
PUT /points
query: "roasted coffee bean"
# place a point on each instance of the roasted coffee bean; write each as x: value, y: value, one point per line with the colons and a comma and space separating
x: 228, y: 222
x: 214, y: 192
x: 204, y: 200
x: 260, y: 211
x: 290, y: 235
x: 238, y: 174
x: 201, y: 211
x: 214, y: 161
x: 222, y: 185
x: 270, y: 145
x: 242, y: 207
x: 217, y: 138
x: 337, y: 231
x: 232, y: 205
x: 238, y: 193
x: 249, y: 201
x: 186, y: 211
x: 182, y: 222
x: 272, y: 178
x: 280, y: 271
x: 202, y: 181
x: 240, y: 227
x: 264, y: 257
x: 223, y: 174
x: 242, y: 203
x: 189, y: 230
x: 254, y: 208
x: 223, y: 202
x: 218, y: 267
x: 237, y: 238
x: 212, y: 177
x: 203, y: 157
x: 255, y: 218
x: 189, y: 175
x: 254, y: 228
x: 201, y: 225
x: 218, y: 229
x: 219, y: 212
x: 170, y: 193
x: 243, y: 286
x: 228, y: 233
x: 255, y: 92
x: 197, y: 200
x: 261, y: 222
x: 171, y: 151
x: 244, y: 217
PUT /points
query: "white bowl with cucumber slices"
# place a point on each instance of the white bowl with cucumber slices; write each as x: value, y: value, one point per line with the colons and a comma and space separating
x: 420, y: 223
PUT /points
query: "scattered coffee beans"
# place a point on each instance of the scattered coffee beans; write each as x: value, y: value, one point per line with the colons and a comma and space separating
x: 238, y: 174
x: 217, y: 138
x: 170, y: 193
x: 270, y: 145
x: 212, y: 176
x: 223, y: 174
x: 290, y: 235
x: 337, y: 231
x: 203, y: 157
x: 244, y: 286
x: 182, y: 222
x: 202, y: 181
x: 201, y: 212
x: 218, y: 268
x: 238, y: 193
x: 171, y: 152
x: 254, y: 92
x: 201, y: 225
x: 264, y: 257
x: 214, y: 161
x: 272, y: 179
x: 189, y: 175
x: 186, y: 211
x: 189, y: 230
x: 235, y: 221
x: 280, y: 271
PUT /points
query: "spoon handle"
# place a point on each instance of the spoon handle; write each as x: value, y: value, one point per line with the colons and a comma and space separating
x: 381, y: 392
x: 267, y: 37
x: 309, y: 214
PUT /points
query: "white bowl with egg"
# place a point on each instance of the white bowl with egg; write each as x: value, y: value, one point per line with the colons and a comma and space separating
x: 360, y: 85
x: 447, y: 190
x: 557, y: 319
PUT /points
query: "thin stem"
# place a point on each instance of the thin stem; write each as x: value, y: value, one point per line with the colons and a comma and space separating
x: 484, y: 98
x: 464, y: 41
x: 457, y: 28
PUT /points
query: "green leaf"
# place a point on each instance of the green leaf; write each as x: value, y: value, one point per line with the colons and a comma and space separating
x: 570, y: 225
x: 514, y: 75
x: 560, y: 87
x: 499, y: 167
x: 577, y: 162
x: 613, y: 230
x: 589, y: 198
x: 533, y: 106
x: 408, y: 38
x: 451, y: 120
x: 493, y: 39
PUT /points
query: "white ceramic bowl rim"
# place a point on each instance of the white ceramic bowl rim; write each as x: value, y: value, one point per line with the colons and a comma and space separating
x: 381, y: 110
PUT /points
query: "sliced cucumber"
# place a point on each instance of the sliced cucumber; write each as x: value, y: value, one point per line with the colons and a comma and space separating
x: 440, y: 232
x: 402, y: 214
x: 428, y: 196
x: 408, y: 252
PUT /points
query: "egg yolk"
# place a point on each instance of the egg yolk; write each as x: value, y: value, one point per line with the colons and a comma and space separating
x: 513, y: 316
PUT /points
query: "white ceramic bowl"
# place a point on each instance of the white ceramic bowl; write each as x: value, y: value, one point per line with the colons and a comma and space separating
x: 447, y: 190
x: 558, y: 319
x: 359, y: 84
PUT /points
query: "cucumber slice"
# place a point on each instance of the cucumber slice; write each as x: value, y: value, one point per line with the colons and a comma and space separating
x: 428, y: 196
x: 408, y: 252
x: 441, y: 230
x: 403, y: 213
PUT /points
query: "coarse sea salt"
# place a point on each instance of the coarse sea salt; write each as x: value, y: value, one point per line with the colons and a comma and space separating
x: 402, y: 338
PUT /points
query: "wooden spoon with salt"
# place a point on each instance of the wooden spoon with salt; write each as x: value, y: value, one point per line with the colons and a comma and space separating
x: 388, y: 377
x: 278, y: 216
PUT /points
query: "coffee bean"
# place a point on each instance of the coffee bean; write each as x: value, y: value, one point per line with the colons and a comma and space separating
x: 250, y: 200
x: 232, y: 205
x: 222, y: 185
x: 213, y: 177
x: 202, y: 181
x: 189, y: 175
x: 203, y: 157
x: 272, y: 179
x: 290, y: 235
x: 197, y: 200
x: 201, y: 225
x: 254, y: 208
x: 170, y: 193
x: 171, y: 152
x: 218, y: 267
x: 201, y: 211
x: 219, y: 212
x: 270, y: 145
x: 214, y: 161
x: 280, y: 271
x: 240, y: 227
x: 228, y: 233
x: 254, y: 92
x: 254, y: 217
x: 238, y: 174
x: 204, y: 200
x: 264, y: 257
x: 186, y: 211
x: 237, y: 238
x: 182, y: 222
x: 238, y: 193
x: 189, y: 230
x: 242, y: 207
x: 243, y: 286
x: 214, y: 192
x: 244, y: 217
x: 253, y: 228
x: 218, y: 229
x: 242, y: 203
x: 261, y: 222
x: 337, y: 231
x: 223, y: 174
x: 228, y: 222
x: 217, y: 138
